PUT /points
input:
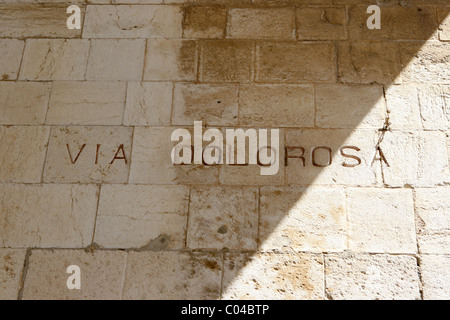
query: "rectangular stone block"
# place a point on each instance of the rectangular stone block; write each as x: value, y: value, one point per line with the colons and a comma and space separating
x: 169, y: 59
x: 148, y: 103
x: 302, y: 219
x: 435, y: 271
x: 276, y: 105
x: 344, y: 106
x: 54, y: 59
x: 295, y: 62
x: 226, y: 61
x: 145, y: 217
x: 204, y: 22
x: 23, y: 153
x: 173, y: 275
x: 272, y: 276
x: 444, y: 23
x: 261, y: 23
x: 403, y: 107
x: 374, y: 277
x: 53, y: 215
x: 433, y: 220
x: 434, y: 101
x: 11, y: 51
x: 11, y: 265
x: 121, y: 60
x: 86, y: 103
x: 101, y: 272
x: 223, y: 217
x: 137, y: 21
x: 88, y: 154
x: 210, y: 103
x: 24, y: 103
x: 381, y: 220
x: 321, y: 23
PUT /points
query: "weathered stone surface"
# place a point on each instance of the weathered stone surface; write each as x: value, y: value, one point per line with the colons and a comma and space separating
x: 434, y: 101
x: 276, y: 105
x: 24, y: 102
x: 362, y: 276
x: 101, y: 275
x: 11, y: 52
x: 135, y: 21
x: 261, y: 23
x: 444, y: 20
x: 433, y: 220
x: 23, y: 153
x: 435, y: 270
x: 173, y: 275
x: 204, y: 22
x: 52, y: 215
x: 403, y: 107
x: 11, y: 265
x: 344, y: 106
x: 88, y: 154
x: 321, y: 23
x: 86, y: 103
x: 116, y: 60
x: 168, y: 59
x: 212, y: 104
x: 223, y: 218
x: 302, y: 219
x: 381, y: 220
x: 148, y: 103
x: 272, y: 276
x: 295, y: 62
x: 147, y: 217
x: 54, y: 59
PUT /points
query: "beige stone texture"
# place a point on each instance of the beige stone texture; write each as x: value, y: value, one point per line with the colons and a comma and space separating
x: 53, y: 216
x: 403, y: 107
x: 86, y: 103
x: 101, y: 275
x: 138, y: 216
x: 11, y: 266
x: 24, y: 148
x: 223, y: 217
x: 88, y: 154
x: 374, y: 277
x: 444, y: 20
x: 321, y: 23
x: 173, y: 276
x: 24, y: 103
x: 434, y: 101
x: 204, y: 22
x: 11, y: 51
x: 435, y: 271
x: 263, y: 276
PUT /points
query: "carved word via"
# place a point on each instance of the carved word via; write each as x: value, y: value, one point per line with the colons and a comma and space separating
x: 119, y: 154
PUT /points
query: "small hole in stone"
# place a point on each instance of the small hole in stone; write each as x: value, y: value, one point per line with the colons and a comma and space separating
x: 222, y: 230
x: 219, y: 101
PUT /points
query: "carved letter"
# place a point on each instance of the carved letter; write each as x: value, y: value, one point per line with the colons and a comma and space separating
x: 288, y: 156
x: 313, y: 153
x: 123, y: 157
x: 381, y: 157
x: 350, y: 156
x: 79, y: 152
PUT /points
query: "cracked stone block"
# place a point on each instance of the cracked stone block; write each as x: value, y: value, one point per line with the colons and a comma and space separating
x: 11, y: 52
x: 152, y: 163
x: 86, y: 103
x: 272, y: 276
x: 53, y: 215
x: 113, y: 59
x: 444, y: 20
x: 223, y: 217
x: 434, y: 101
x: 433, y: 220
x: 11, y: 265
x: 403, y: 107
x: 88, y: 154
x: 54, y: 59
x: 23, y: 153
x: 435, y: 270
x: 173, y: 276
x: 302, y: 219
x: 137, y: 21
x: 213, y: 104
x: 169, y: 59
x: 204, y: 22
x: 371, y: 277
x: 24, y: 103
x: 295, y: 62
x: 381, y: 220
x: 145, y: 217
x: 331, y: 157
x: 321, y: 23
x: 276, y: 105
x: 148, y: 103
x: 345, y: 106
x: 416, y: 158
x: 101, y: 275
x: 261, y: 23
